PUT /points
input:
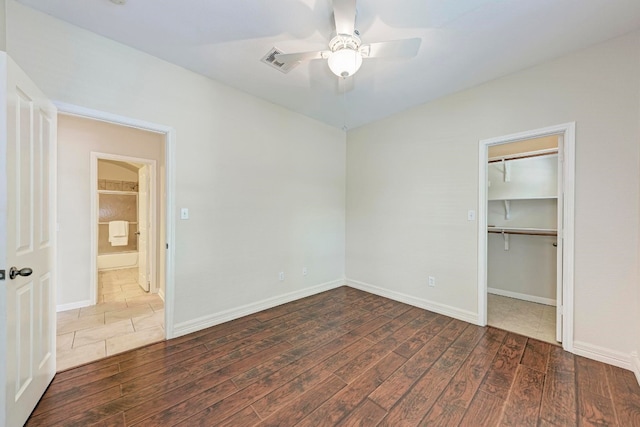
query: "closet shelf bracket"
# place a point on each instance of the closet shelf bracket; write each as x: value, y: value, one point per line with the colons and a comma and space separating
x: 505, y: 236
x: 506, y: 171
x: 507, y: 209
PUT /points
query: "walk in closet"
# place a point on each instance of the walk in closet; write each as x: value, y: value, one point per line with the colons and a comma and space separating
x: 522, y: 220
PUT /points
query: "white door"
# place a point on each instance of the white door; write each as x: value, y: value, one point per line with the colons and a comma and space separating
x: 27, y: 301
x: 143, y: 227
x: 560, y: 240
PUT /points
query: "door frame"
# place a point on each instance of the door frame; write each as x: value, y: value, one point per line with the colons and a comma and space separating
x: 169, y: 175
x: 567, y: 131
x: 152, y: 248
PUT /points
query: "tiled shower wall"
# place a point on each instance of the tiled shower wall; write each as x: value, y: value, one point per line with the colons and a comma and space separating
x: 117, y: 207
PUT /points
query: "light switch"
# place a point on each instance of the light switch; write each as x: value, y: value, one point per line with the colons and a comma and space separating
x: 471, y: 215
x: 184, y: 213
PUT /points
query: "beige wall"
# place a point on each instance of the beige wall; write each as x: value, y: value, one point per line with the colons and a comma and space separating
x: 77, y: 138
x: 265, y: 186
x: 117, y: 171
x: 412, y: 177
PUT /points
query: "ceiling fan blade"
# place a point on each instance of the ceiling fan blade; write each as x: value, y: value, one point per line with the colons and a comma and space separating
x: 344, y: 13
x: 301, y: 56
x: 392, y: 49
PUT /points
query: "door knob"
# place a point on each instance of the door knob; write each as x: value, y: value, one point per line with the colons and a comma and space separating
x: 14, y: 272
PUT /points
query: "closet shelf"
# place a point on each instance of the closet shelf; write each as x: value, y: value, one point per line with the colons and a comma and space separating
x: 524, y: 230
x: 502, y: 199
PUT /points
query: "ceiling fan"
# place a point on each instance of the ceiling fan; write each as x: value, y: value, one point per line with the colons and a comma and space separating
x: 346, y: 50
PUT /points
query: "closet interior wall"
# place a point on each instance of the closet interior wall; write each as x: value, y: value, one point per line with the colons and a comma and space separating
x: 522, y: 225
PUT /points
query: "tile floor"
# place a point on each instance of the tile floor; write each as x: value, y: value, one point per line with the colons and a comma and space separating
x: 125, y: 317
x: 523, y: 317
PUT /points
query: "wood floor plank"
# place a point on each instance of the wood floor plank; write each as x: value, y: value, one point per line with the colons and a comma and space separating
x: 452, y: 404
x: 485, y: 410
x: 536, y: 355
x: 203, y: 391
x: 592, y: 376
x: 389, y: 328
x: 560, y: 360
x: 500, y: 377
x: 364, y: 360
x: 453, y: 330
x: 281, y: 396
x: 595, y: 410
x: 558, y: 406
x: 424, y: 335
x: 305, y: 403
x: 116, y: 420
x: 343, y: 357
x: 268, y: 404
x: 179, y: 405
x: 245, y: 417
x: 64, y: 413
x: 389, y: 392
x: 625, y: 393
x: 346, y: 400
x: 367, y: 414
x: 523, y: 404
x: 415, y: 404
x: 469, y: 336
x: 398, y: 309
x: 495, y: 334
x: 165, y: 385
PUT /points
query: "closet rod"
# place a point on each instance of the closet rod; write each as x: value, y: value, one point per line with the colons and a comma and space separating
x: 107, y: 223
x: 523, y: 156
x: 528, y: 233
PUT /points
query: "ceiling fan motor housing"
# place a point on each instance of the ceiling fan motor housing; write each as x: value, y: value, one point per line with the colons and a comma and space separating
x: 345, y: 58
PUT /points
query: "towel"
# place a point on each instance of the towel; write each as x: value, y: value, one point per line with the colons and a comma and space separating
x: 119, y: 233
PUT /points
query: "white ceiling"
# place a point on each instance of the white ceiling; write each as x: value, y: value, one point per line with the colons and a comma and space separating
x: 464, y: 43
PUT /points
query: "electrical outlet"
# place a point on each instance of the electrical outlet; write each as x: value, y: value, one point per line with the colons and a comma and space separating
x: 281, y: 276
x: 471, y: 215
x: 432, y: 281
x: 184, y: 213
x: 304, y: 271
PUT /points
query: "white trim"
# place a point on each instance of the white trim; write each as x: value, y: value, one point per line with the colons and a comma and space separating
x: 602, y: 354
x: 525, y: 297
x: 170, y: 165
x: 635, y: 364
x: 447, y: 310
x: 161, y: 294
x: 215, y: 319
x: 73, y: 305
x: 568, y: 131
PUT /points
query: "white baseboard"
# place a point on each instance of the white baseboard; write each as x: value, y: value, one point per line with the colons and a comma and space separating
x: 525, y: 297
x: 161, y: 294
x: 601, y: 354
x: 447, y: 310
x: 635, y: 362
x: 72, y: 305
x: 204, y: 322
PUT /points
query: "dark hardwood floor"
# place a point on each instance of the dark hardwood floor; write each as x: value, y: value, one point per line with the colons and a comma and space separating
x: 347, y: 358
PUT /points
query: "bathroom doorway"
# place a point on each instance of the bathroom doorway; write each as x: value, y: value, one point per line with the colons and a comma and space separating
x: 126, y: 217
x: 112, y: 202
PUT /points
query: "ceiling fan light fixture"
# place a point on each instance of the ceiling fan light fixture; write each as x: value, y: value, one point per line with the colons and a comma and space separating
x: 345, y: 62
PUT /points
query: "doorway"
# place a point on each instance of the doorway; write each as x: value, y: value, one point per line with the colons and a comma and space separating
x: 125, y: 275
x: 125, y: 213
x: 526, y: 217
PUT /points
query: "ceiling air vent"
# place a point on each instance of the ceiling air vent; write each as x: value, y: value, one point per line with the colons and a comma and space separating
x: 270, y: 59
